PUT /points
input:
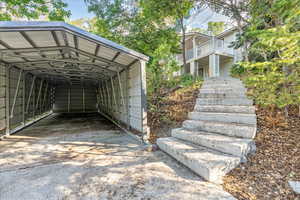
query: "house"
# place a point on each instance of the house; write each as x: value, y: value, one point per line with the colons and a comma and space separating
x: 209, y: 56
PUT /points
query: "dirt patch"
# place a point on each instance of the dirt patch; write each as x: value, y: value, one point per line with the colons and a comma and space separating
x: 171, y: 108
x: 276, y: 161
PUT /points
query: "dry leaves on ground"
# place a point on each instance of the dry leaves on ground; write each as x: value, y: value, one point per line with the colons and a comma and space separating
x: 276, y: 161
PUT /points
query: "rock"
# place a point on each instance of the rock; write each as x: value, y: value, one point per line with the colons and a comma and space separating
x: 295, y: 185
x: 151, y: 147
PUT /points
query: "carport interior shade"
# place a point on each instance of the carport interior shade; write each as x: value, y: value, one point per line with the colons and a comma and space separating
x: 53, y: 66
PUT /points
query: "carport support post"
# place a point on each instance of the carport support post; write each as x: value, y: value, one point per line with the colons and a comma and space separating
x: 44, y: 99
x: 24, y: 99
x: 7, y: 100
x: 108, y: 96
x: 39, y: 94
x: 83, y: 95
x: 30, y: 93
x: 104, y: 96
x: 101, y: 95
x: 127, y: 96
x: 144, y: 126
x: 113, y: 91
x: 120, y: 86
x: 16, y: 94
x: 69, y: 98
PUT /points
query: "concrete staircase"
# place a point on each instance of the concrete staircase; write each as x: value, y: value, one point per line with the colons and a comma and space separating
x: 218, y: 134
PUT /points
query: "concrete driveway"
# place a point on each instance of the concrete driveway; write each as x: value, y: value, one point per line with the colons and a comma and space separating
x: 86, y: 157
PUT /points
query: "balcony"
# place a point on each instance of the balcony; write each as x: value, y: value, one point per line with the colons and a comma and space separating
x: 205, y: 49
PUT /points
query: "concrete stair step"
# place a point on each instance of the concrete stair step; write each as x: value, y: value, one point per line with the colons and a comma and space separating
x: 224, y: 117
x: 238, y: 101
x: 225, y: 109
x: 224, y: 86
x: 235, y: 146
x: 211, y: 165
x: 226, y: 90
x: 221, y: 95
x: 229, y: 129
x: 223, y: 81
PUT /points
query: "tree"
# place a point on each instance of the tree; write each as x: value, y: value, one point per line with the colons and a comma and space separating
x: 238, y: 10
x: 84, y: 23
x: 170, y: 10
x: 113, y: 17
x: 131, y: 26
x: 274, y: 67
x: 54, y: 10
x: 215, y: 27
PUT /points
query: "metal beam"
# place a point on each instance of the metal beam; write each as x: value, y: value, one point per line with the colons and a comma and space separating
x: 7, y: 100
x: 121, y: 89
x: 45, y: 94
x: 24, y: 99
x: 100, y: 94
x: 31, y: 50
x: 67, y: 75
x: 109, y: 97
x: 48, y: 60
x: 127, y: 96
x: 55, y: 38
x: 30, y: 41
x: 83, y: 98
x: 104, y: 72
x: 65, y: 38
x: 65, y: 48
x: 30, y: 93
x: 116, y: 56
x: 10, y: 48
x: 105, y: 60
x: 5, y: 44
x: 113, y: 91
x: 16, y: 94
x: 39, y: 94
x: 69, y: 98
x: 105, y: 96
x: 96, y: 51
x: 76, y: 44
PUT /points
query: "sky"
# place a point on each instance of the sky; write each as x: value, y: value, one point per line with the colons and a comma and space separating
x: 78, y: 9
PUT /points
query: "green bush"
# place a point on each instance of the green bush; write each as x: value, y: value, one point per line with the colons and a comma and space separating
x: 237, y: 70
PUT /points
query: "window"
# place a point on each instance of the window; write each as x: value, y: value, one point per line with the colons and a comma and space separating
x: 201, y: 72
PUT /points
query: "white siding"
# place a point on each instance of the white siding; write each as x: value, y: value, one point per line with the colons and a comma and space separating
x: 225, y: 68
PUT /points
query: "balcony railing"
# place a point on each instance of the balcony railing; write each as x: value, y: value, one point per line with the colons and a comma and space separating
x: 189, y: 54
x: 205, y: 48
x: 223, y: 47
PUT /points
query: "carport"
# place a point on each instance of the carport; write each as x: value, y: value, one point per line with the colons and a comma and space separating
x: 53, y: 67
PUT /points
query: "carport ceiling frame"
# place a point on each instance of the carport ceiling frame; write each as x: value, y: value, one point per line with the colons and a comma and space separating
x: 67, y: 58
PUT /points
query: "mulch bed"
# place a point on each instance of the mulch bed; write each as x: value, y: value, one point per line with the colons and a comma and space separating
x: 276, y: 161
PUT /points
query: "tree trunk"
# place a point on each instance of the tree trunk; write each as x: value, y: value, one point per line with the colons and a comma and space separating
x: 183, y: 44
x: 245, y: 47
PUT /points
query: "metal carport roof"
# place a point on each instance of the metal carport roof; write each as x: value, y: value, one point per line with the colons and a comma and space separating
x: 57, y: 50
